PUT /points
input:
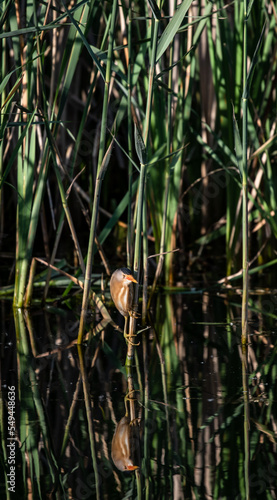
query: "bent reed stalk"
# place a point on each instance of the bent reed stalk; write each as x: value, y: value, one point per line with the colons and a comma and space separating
x: 100, y: 175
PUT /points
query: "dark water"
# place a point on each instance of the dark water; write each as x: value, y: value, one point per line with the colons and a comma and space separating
x: 195, y: 424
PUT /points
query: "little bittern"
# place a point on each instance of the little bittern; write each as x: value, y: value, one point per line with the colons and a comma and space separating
x: 122, y: 292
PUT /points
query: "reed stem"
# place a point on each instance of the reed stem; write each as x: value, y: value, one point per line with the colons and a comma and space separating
x: 100, y: 176
x: 244, y: 319
x: 245, y: 264
x: 130, y: 166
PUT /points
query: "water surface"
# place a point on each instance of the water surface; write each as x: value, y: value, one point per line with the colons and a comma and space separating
x: 193, y: 416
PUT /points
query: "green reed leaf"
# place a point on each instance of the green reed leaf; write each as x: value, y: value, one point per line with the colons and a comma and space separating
x: 140, y: 146
x: 238, y: 145
x: 172, y: 28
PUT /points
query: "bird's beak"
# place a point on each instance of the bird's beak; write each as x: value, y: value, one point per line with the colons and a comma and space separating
x: 130, y: 278
x: 132, y: 467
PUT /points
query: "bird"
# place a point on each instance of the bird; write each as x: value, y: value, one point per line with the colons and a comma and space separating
x: 125, y: 445
x: 122, y: 292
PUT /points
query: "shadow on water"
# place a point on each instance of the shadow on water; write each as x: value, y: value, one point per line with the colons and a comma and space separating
x: 66, y: 422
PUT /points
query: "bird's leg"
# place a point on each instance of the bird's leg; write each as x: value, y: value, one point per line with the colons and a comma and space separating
x: 128, y: 396
x: 126, y: 335
x: 134, y: 314
x: 136, y: 422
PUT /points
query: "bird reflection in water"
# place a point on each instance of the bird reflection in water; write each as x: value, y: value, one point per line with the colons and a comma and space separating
x: 125, y: 444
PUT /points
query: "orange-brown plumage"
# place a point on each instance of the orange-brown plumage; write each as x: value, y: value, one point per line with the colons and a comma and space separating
x: 122, y: 291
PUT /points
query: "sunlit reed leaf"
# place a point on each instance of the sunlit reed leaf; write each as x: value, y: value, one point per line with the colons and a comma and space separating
x: 105, y: 161
x: 238, y: 145
x: 249, y: 7
x: 13, y: 90
x: 254, y: 63
x: 270, y: 142
x: 172, y: 28
x: 140, y: 146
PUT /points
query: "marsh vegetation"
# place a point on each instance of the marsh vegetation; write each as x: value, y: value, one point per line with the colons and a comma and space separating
x: 139, y: 134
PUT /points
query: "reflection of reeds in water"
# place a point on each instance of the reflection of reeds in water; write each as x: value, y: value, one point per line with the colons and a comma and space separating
x: 54, y: 153
x: 191, y: 418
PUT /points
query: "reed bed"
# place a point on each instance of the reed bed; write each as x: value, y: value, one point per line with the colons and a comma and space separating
x: 138, y: 133
x: 75, y: 79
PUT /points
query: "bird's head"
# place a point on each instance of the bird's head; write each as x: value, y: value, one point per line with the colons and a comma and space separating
x: 124, y: 276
